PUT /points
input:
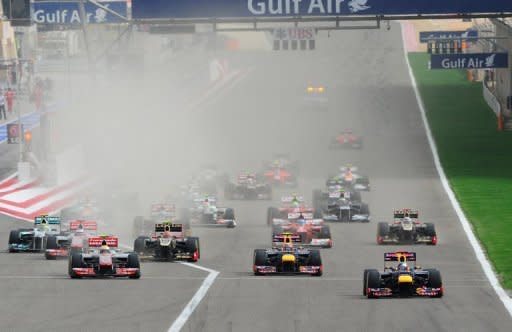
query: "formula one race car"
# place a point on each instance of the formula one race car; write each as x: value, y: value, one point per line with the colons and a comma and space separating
x: 287, y: 259
x: 340, y: 207
x: 159, y: 212
x: 168, y: 243
x: 281, y: 177
x: 34, y: 239
x: 59, y: 246
x: 403, y: 280
x: 346, y: 140
x: 248, y: 186
x: 290, y: 204
x: 102, y: 259
x: 332, y: 194
x: 207, y: 213
x: 349, y: 177
x: 406, y: 229
x: 311, y: 232
x: 315, y: 97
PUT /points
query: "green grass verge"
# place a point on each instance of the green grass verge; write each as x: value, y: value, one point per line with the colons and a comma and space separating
x: 476, y: 157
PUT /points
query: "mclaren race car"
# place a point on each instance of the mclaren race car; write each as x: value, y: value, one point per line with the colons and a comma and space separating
x: 288, y: 259
x: 406, y: 229
x: 102, y: 259
x: 206, y: 213
x: 75, y: 240
x: 404, y: 280
x: 34, y: 239
x: 346, y: 140
x: 248, y: 187
x: 168, y: 243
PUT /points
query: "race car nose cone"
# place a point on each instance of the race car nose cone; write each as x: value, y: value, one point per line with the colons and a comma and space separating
x: 405, y: 279
x: 287, y: 258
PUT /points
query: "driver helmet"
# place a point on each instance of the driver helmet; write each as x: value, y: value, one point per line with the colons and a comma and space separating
x: 407, y: 219
x: 104, y: 249
x: 301, y: 220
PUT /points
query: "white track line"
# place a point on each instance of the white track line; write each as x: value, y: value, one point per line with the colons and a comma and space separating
x: 477, y: 248
x: 178, y: 324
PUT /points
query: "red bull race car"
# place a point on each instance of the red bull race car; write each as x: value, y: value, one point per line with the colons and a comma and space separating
x: 287, y: 259
x: 103, y: 259
x: 403, y: 280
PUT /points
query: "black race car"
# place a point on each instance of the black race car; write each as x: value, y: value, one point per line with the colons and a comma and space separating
x: 403, y: 280
x: 249, y: 187
x: 406, y: 229
x: 168, y: 243
x: 340, y: 205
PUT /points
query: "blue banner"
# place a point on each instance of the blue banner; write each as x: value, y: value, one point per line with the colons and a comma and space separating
x: 469, y: 61
x: 426, y: 36
x: 187, y: 9
x: 67, y: 13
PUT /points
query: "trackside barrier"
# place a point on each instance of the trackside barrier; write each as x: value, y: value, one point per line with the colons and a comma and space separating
x: 494, y: 104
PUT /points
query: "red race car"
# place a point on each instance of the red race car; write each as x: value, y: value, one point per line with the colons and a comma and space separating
x: 346, y: 140
x: 59, y: 246
x: 311, y: 232
x: 290, y: 204
x: 102, y: 259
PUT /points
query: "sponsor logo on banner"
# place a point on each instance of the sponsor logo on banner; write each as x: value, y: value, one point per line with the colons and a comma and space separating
x: 54, y: 12
x: 469, y: 61
x: 426, y: 36
x: 151, y: 9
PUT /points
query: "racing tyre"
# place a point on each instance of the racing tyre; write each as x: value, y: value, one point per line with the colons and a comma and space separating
x: 229, y: 214
x: 134, y: 263
x: 192, y: 245
x: 140, y: 244
x: 325, y: 232
x: 365, y: 209
x: 356, y: 196
x: 430, y: 229
x: 316, y: 260
x: 14, y: 237
x: 434, y: 280
x: 365, y: 280
x: 51, y: 242
x: 382, y: 231
x: 372, y: 281
x: 75, y: 261
x: 260, y: 258
x: 272, y: 212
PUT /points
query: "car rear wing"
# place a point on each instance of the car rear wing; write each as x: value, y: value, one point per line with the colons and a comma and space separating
x: 402, y: 213
x: 176, y: 230
x: 289, y: 199
x: 286, y: 238
x: 348, y: 168
x: 87, y: 225
x: 399, y: 256
x: 48, y: 220
x: 98, y: 241
x: 296, y: 215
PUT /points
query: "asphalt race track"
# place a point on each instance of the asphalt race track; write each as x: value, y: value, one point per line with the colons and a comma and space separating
x: 369, y: 90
